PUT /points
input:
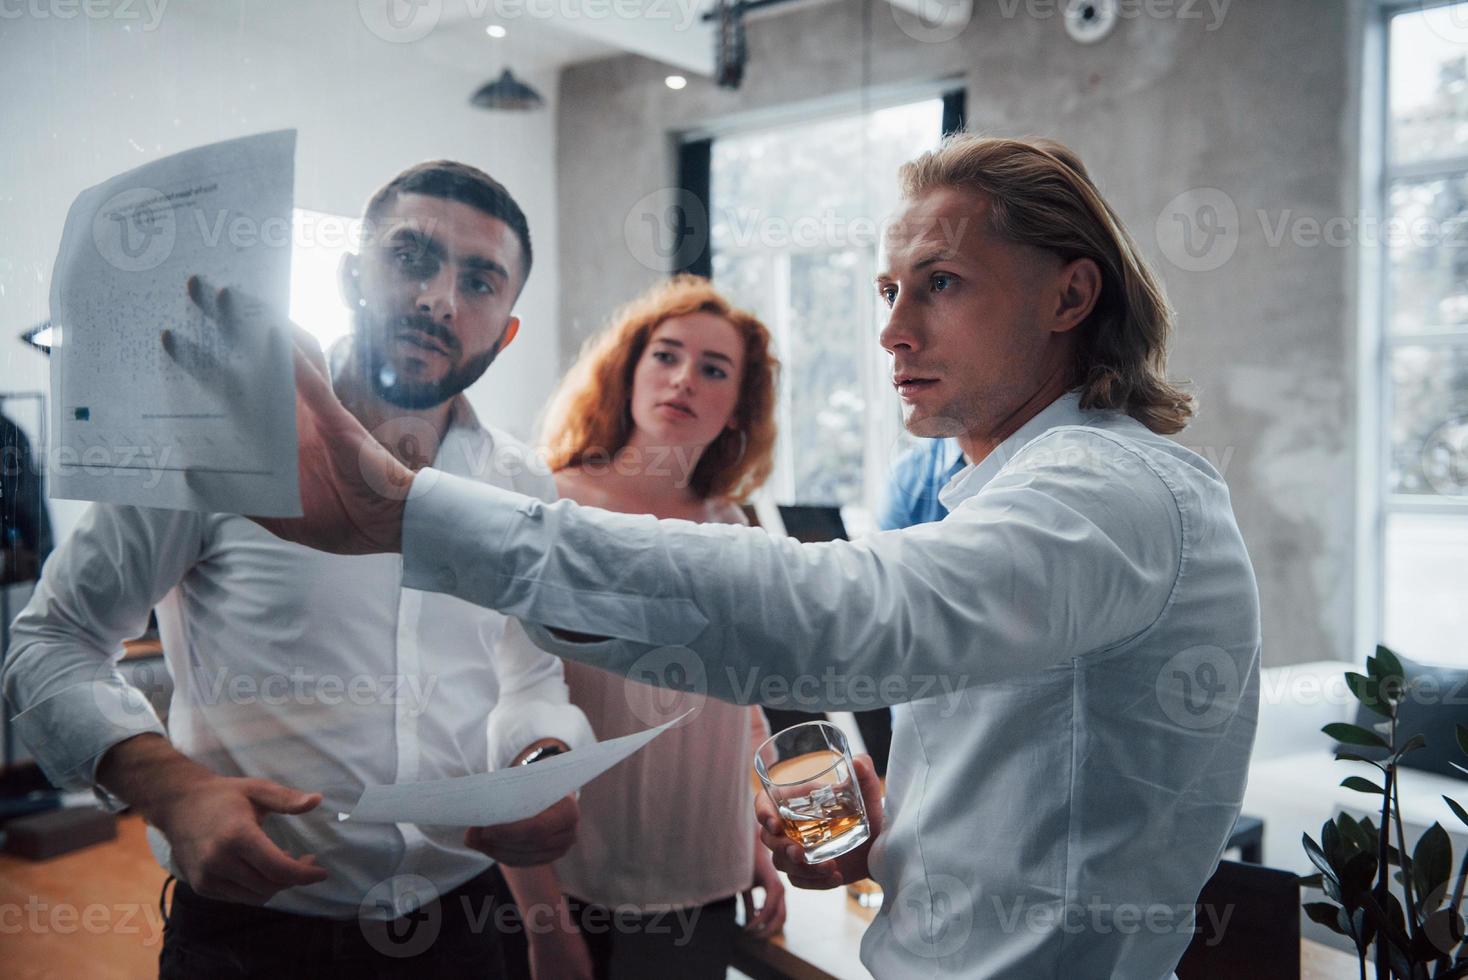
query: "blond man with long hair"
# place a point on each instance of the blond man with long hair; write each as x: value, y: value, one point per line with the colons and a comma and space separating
x: 1072, y: 653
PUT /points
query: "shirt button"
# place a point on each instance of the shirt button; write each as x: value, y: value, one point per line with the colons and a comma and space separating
x: 447, y: 580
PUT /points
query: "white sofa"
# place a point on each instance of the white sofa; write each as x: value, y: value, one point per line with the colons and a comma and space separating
x: 1294, y: 779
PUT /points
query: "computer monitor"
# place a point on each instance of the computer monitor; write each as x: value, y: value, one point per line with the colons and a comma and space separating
x: 810, y: 523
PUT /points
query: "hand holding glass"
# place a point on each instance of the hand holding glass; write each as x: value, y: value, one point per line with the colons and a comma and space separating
x: 807, y: 773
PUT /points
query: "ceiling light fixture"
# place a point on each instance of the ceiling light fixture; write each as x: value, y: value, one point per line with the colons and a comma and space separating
x: 507, y: 92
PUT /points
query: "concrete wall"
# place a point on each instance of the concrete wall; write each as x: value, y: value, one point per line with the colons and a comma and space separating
x: 1258, y: 104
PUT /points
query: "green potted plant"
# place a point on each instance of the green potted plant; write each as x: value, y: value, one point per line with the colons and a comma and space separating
x: 1401, y: 910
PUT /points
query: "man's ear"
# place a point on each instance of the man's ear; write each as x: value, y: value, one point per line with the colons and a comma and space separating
x: 348, y: 280
x: 1078, y: 289
x: 512, y: 329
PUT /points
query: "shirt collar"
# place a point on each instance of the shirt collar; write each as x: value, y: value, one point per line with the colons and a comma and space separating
x: 1065, y: 410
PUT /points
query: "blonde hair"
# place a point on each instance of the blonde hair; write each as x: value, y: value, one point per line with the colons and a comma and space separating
x: 590, y: 413
x: 1040, y: 194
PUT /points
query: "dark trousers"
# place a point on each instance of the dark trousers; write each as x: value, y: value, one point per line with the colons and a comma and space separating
x: 454, y: 936
x: 692, y: 944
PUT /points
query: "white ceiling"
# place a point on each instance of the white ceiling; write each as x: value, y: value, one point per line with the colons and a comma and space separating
x: 543, y: 35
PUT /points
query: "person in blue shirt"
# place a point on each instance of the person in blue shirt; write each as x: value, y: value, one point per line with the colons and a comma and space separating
x: 912, y: 492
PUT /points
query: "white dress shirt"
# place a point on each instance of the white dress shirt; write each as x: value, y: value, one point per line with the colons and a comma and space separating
x: 1072, y: 653
x: 317, y: 671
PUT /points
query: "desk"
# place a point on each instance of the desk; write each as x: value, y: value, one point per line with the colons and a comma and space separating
x: 822, y: 941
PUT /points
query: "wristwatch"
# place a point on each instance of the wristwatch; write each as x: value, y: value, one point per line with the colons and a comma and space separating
x: 544, y: 752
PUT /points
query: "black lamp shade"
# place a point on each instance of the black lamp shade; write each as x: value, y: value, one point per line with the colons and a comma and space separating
x: 507, y: 92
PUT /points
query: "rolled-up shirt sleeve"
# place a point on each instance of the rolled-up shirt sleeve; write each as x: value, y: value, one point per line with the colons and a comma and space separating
x: 65, y: 696
x: 534, y: 702
x: 1074, y: 546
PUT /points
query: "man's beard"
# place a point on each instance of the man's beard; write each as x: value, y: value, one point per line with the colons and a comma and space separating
x: 416, y: 395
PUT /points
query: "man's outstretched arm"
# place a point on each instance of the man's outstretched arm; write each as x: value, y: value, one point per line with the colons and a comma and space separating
x: 1070, y: 552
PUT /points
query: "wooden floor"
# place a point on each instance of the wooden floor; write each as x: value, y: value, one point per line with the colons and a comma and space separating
x: 92, y: 913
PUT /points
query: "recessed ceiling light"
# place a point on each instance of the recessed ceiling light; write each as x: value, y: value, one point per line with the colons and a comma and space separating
x: 676, y: 82
x: 495, y: 30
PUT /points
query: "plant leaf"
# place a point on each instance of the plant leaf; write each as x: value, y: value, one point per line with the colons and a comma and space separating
x: 1458, y: 811
x: 1364, y: 927
x: 1413, y: 744
x: 1361, y: 785
x: 1332, y: 845
x: 1343, y: 756
x: 1356, y: 834
x: 1387, y: 664
x: 1325, y: 913
x: 1432, y: 864
x: 1354, y: 735
x: 1442, y: 930
x: 1463, y: 737
x: 1317, y: 857
x: 1368, y: 691
x: 1358, y: 875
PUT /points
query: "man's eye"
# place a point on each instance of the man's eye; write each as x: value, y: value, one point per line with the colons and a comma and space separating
x: 482, y: 286
x: 888, y: 293
x: 941, y: 281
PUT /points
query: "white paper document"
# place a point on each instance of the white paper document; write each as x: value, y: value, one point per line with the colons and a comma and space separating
x: 130, y: 425
x: 502, y: 796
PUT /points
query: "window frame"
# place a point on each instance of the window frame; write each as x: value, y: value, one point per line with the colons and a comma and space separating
x: 694, y: 166
x: 1377, y: 342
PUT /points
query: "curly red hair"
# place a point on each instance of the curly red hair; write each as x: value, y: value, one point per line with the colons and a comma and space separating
x: 590, y: 415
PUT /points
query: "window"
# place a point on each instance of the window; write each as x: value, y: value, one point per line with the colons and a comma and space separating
x: 317, y: 247
x: 1423, y: 356
x: 796, y: 216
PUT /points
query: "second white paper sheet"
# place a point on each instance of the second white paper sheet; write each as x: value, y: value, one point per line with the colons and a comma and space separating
x: 502, y: 796
x: 131, y: 426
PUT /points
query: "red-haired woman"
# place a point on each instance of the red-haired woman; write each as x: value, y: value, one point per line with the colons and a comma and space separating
x: 670, y: 412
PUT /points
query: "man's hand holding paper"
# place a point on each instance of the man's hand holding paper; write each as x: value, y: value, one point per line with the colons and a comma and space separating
x: 131, y: 427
